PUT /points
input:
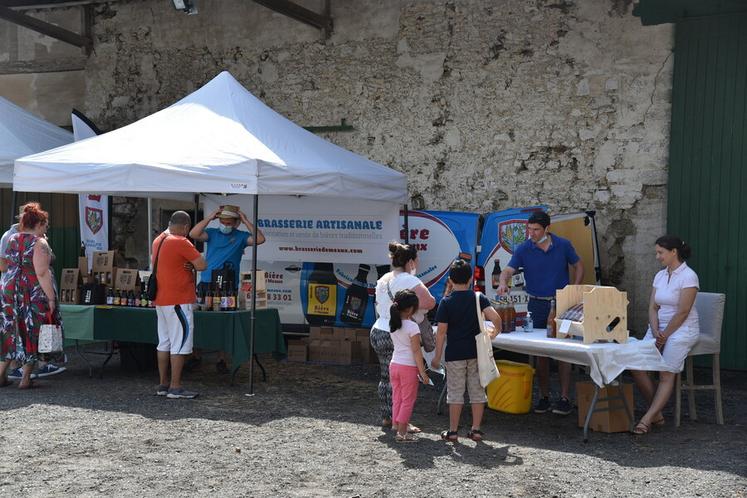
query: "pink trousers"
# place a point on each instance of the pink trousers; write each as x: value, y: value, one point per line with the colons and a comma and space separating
x: 404, y: 380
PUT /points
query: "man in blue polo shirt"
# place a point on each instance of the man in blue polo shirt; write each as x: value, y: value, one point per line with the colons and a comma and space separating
x: 225, y: 244
x: 546, y: 259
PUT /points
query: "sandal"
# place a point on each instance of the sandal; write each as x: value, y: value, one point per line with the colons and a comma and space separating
x: 475, y: 435
x: 6, y: 383
x: 387, y: 422
x: 451, y: 436
x: 407, y: 438
x: 411, y: 429
x: 659, y: 422
x: 642, y: 428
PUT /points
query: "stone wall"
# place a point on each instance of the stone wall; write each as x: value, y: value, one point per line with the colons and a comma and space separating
x: 484, y: 104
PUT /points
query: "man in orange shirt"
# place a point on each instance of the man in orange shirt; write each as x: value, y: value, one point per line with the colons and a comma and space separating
x: 174, y: 258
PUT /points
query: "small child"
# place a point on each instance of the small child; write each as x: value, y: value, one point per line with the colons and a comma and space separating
x: 407, y: 362
x: 457, y: 320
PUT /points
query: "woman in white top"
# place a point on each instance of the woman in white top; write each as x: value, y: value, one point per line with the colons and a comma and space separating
x: 673, y: 324
x: 404, y: 266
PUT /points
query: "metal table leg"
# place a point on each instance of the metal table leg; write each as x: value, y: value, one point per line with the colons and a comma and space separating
x: 236, y: 370
x: 441, y: 398
x: 80, y: 353
x: 592, y: 409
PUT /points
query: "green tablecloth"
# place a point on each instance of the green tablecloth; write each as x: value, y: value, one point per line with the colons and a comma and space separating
x: 226, y: 330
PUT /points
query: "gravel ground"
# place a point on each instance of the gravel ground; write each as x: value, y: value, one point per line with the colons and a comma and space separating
x: 311, y: 430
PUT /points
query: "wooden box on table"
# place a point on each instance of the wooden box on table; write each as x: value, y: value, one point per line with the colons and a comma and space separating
x: 605, y: 313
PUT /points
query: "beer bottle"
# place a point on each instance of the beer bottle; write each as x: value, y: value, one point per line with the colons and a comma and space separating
x: 115, y: 298
x: 551, y: 328
x: 109, y: 296
x: 495, y: 275
x: 224, y: 298
x: 208, y: 305
x: 82, y: 249
x: 231, y: 299
x: 131, y: 298
x: 200, y: 297
x: 217, y: 299
x: 356, y: 297
x: 143, y: 297
x: 511, y: 316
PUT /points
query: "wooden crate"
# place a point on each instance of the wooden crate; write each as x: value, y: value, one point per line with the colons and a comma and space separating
x: 605, y: 313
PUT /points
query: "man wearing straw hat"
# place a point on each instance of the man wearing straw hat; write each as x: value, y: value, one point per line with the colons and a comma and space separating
x: 225, y: 244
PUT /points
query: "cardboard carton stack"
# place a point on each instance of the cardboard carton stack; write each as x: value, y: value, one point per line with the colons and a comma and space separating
x: 333, y: 345
x: 245, y: 290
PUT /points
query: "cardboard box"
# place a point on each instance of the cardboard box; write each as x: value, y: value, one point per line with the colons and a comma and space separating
x: 126, y: 280
x: 245, y: 290
x: 325, y: 333
x: 70, y: 278
x: 105, y: 278
x: 103, y: 261
x: 610, y: 421
x: 297, y: 351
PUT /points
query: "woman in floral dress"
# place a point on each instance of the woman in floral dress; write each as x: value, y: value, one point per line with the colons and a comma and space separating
x: 28, y: 297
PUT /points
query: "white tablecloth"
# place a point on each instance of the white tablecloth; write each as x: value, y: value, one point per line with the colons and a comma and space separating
x: 605, y: 360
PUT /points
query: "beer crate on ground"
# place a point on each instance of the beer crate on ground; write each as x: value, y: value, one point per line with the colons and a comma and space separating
x: 608, y: 421
x: 602, y: 317
x: 245, y: 290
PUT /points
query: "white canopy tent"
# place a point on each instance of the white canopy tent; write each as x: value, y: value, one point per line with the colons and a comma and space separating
x: 21, y: 134
x: 219, y: 139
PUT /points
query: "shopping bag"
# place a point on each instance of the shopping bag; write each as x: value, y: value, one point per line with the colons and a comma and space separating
x: 50, y: 338
x: 485, y: 362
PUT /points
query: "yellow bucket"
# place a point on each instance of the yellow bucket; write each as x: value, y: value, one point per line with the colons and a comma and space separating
x: 512, y: 391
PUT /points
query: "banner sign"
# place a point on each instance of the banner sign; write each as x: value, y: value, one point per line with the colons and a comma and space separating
x: 93, y: 209
x: 317, y: 228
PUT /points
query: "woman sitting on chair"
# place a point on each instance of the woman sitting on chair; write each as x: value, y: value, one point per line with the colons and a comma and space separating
x: 673, y: 323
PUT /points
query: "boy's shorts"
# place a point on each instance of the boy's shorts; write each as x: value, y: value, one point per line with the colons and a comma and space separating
x: 460, y: 373
x: 175, y: 328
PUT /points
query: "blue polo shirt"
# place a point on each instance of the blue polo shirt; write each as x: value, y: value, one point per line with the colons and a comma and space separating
x: 545, y: 272
x: 223, y: 248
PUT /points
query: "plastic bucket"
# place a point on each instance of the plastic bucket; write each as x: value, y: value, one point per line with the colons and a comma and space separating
x: 512, y: 391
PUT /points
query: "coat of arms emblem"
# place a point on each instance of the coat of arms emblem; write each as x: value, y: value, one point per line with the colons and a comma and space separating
x: 94, y: 219
x: 512, y: 233
x: 321, y: 293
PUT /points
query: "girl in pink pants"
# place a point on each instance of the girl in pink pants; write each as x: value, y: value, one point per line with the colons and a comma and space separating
x: 407, y: 362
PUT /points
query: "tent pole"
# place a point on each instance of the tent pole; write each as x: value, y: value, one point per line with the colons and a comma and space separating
x: 150, y: 233
x: 407, y: 226
x: 252, y: 322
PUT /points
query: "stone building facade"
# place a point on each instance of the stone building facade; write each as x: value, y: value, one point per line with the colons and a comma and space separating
x: 484, y: 104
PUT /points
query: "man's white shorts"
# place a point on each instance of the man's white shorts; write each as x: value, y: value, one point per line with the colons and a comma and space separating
x: 175, y: 328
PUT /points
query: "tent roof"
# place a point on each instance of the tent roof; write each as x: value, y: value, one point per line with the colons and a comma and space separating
x: 21, y: 134
x: 219, y: 139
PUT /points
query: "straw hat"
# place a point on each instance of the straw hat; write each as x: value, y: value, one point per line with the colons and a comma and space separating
x: 229, y: 212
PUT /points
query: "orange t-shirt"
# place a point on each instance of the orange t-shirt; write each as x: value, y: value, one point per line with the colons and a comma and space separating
x: 176, y: 284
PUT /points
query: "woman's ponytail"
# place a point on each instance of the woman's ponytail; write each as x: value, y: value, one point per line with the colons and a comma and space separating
x: 403, y: 300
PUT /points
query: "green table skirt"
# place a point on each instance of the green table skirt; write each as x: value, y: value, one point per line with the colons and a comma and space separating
x: 225, y: 330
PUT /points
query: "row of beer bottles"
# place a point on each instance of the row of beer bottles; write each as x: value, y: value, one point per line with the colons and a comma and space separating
x: 216, y: 297
x: 128, y: 298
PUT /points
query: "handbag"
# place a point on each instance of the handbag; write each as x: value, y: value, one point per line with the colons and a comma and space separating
x: 152, y: 281
x: 485, y: 362
x: 427, y: 338
x: 50, y: 337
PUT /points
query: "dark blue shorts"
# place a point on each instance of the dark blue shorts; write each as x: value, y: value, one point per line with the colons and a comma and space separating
x: 540, y: 309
